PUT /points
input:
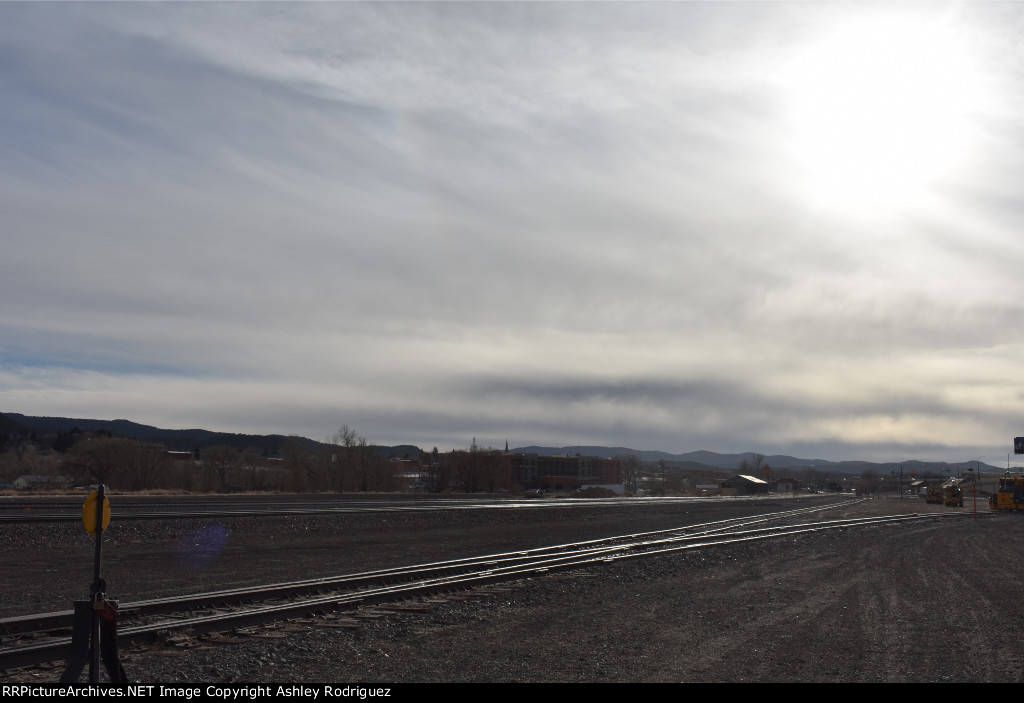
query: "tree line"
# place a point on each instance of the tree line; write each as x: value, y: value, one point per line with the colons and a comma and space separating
x: 344, y: 462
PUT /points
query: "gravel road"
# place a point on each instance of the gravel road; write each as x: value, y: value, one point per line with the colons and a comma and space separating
x: 925, y: 601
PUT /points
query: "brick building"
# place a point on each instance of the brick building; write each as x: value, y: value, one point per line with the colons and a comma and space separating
x: 561, y: 472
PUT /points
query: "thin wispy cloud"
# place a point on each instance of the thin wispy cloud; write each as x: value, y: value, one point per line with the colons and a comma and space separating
x: 781, y: 227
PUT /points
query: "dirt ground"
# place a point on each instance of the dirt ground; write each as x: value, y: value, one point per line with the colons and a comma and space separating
x: 914, y: 602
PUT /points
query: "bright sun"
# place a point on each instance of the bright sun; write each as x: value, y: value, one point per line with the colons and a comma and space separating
x: 880, y: 109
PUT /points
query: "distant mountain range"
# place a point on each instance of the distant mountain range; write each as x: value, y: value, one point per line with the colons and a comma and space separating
x: 272, y: 444
x: 184, y: 440
x: 731, y: 462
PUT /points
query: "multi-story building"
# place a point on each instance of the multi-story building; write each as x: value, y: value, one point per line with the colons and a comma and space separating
x: 560, y: 472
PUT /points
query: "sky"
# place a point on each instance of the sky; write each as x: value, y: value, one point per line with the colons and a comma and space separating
x: 776, y: 227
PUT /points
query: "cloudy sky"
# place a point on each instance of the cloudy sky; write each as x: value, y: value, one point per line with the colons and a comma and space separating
x: 770, y: 227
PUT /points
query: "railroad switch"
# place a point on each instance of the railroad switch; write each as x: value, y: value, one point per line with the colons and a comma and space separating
x: 94, y: 631
x: 104, y: 613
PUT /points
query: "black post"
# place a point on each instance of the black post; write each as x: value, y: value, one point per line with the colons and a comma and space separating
x: 96, y: 592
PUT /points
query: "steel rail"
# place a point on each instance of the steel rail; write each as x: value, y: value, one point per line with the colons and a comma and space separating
x: 420, y: 581
x: 232, y: 597
x: 46, y: 512
x: 229, y: 597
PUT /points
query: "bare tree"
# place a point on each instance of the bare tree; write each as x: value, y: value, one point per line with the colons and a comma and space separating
x: 144, y: 466
x: 752, y: 466
x: 438, y: 472
x: 223, y: 460
x: 673, y: 482
x: 461, y: 464
x: 631, y: 468
x: 813, y: 478
x: 254, y: 462
x: 25, y: 459
x: 97, y: 459
x: 354, y: 466
x: 297, y: 460
x: 343, y: 460
x: 868, y: 483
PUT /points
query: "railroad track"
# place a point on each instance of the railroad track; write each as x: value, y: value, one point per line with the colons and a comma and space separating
x: 39, y: 638
x: 12, y: 511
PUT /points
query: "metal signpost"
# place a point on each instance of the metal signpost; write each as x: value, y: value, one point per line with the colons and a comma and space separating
x: 95, y: 627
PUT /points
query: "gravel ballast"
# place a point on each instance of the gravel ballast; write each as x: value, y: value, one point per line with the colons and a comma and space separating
x: 935, y: 600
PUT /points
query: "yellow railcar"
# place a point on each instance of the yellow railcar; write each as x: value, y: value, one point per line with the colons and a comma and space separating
x: 954, y: 496
x: 1010, y: 495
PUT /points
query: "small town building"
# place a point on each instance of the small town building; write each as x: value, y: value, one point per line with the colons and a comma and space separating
x: 743, y: 485
x: 786, y: 485
x: 36, y: 482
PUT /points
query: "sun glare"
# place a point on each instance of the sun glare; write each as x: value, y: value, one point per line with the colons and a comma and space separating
x: 879, y: 110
